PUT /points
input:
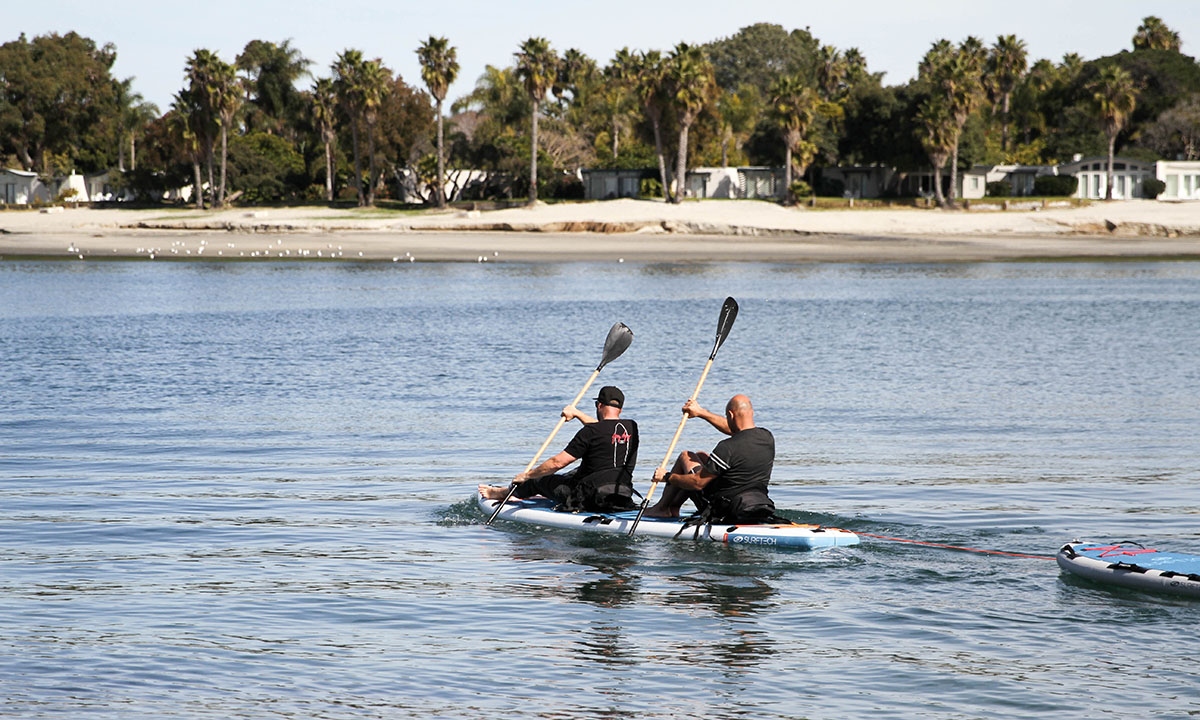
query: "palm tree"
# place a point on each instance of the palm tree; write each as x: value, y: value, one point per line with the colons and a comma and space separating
x: 937, y: 134
x: 1006, y: 66
x: 650, y: 73
x: 201, y: 70
x: 537, y: 67
x: 621, y: 77
x: 324, y: 113
x: 272, y: 71
x: 439, y: 68
x: 832, y: 69
x: 793, y: 108
x: 954, y: 75
x: 183, y: 120
x: 376, y: 81
x: 1114, y: 98
x: 1153, y: 34
x: 133, y: 114
x: 226, y: 97
x: 692, y: 86
x: 347, y: 82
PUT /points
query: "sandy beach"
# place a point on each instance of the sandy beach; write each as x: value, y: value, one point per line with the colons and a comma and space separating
x: 618, y: 230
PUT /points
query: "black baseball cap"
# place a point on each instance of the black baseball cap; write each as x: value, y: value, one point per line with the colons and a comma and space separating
x: 610, y: 395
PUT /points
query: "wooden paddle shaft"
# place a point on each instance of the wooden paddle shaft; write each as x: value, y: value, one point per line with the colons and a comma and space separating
x: 679, y: 430
x: 561, y: 421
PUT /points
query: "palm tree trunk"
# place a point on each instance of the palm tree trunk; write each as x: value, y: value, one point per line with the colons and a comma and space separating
x: 533, y: 151
x: 441, y: 181
x: 209, y: 160
x: 656, y: 121
x: 937, y: 181
x: 616, y: 134
x: 1112, y: 145
x: 371, y: 164
x: 954, y: 174
x: 1004, y: 126
x: 681, y: 164
x: 121, y: 155
x: 328, y: 167
x: 224, y: 162
x: 197, y: 184
x: 132, y: 151
x: 357, y: 163
x: 787, y: 174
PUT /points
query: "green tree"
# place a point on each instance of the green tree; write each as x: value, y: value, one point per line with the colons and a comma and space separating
x: 691, y: 83
x: 537, y: 68
x: 1006, y: 65
x: 226, y: 96
x: 348, y: 84
x: 186, y: 125
x: 272, y: 70
x: 324, y: 114
x: 1176, y: 133
x: 760, y: 53
x: 439, y: 68
x: 1114, y: 99
x: 133, y: 115
x: 1153, y: 34
x: 652, y: 93
x: 58, y: 96
x: 793, y: 109
x: 954, y: 76
x: 938, y: 135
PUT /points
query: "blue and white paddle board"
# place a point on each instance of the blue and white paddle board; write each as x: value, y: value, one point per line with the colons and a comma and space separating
x: 540, y: 511
x: 1133, y: 566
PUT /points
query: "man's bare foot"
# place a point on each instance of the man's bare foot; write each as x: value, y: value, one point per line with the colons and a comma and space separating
x: 493, y: 492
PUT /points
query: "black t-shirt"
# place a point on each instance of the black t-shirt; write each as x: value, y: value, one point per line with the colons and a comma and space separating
x: 605, y: 445
x: 742, y: 464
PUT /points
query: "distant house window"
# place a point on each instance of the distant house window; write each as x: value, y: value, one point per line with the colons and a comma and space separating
x: 974, y: 183
x: 1118, y: 166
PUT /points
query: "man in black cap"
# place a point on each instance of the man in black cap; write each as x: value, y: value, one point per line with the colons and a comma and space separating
x: 606, y: 447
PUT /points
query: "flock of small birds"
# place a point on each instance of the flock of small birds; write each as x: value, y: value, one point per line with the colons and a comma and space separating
x: 179, y: 247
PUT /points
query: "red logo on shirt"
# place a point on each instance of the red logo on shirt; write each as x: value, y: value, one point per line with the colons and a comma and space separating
x: 620, y: 439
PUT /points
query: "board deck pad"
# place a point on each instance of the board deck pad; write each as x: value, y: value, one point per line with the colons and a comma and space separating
x: 1131, y: 565
x: 540, y: 511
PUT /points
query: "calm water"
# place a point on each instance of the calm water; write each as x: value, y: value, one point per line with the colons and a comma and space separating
x: 245, y: 490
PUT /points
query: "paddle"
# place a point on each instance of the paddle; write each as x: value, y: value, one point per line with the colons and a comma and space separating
x: 619, y: 337
x: 729, y: 311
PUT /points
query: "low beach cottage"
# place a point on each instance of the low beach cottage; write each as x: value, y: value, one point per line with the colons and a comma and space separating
x: 1092, y: 173
x: 1181, y: 178
x: 20, y: 187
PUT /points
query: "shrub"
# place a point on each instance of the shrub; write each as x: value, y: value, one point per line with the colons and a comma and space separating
x: 650, y: 188
x: 999, y: 188
x: 800, y: 189
x: 1055, y: 185
x: 1153, y: 187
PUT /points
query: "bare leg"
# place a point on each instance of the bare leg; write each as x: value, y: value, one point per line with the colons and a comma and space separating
x: 672, y: 497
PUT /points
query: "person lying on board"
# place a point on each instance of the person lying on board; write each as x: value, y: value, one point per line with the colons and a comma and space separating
x: 728, y: 485
x: 606, y: 447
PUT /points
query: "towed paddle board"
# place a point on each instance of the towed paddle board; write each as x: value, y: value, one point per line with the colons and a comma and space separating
x: 1133, y: 566
x: 540, y: 511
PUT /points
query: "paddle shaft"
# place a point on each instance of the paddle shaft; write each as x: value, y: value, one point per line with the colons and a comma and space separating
x: 671, y: 450
x: 561, y: 421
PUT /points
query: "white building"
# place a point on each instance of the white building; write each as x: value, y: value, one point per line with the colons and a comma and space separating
x: 1182, y: 178
x: 1092, y: 173
x: 20, y: 187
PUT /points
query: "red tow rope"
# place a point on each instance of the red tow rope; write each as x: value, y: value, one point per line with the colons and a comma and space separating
x: 955, y: 547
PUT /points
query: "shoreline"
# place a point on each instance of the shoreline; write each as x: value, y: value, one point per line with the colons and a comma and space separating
x: 616, y: 231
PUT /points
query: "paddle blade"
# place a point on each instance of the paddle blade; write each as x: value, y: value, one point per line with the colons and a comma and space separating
x: 619, y: 337
x: 729, y: 313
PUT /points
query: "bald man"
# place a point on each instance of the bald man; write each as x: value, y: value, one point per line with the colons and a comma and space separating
x: 730, y: 483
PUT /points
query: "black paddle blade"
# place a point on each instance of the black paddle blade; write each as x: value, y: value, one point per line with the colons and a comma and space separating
x: 619, y: 337
x: 729, y: 313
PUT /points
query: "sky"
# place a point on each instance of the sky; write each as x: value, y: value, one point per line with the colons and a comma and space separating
x: 154, y: 39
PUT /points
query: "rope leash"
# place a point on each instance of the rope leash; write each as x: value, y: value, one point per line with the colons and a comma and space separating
x: 956, y: 547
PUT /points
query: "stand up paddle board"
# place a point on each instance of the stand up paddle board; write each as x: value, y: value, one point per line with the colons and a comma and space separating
x: 1133, y: 566
x: 540, y: 511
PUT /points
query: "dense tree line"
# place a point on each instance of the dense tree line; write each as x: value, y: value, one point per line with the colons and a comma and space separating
x: 266, y: 127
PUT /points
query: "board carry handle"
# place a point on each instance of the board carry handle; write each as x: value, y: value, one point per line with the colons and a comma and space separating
x: 729, y: 311
x: 618, y: 339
